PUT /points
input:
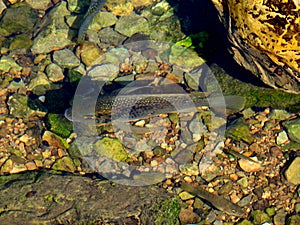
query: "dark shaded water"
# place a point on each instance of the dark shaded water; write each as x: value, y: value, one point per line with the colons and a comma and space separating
x: 200, y: 15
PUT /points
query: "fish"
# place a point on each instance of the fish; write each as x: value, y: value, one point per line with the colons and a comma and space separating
x: 140, y: 106
x: 217, y: 201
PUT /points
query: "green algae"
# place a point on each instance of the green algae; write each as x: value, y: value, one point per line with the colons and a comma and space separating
x: 59, y: 125
x: 64, y: 164
x: 257, y: 96
x: 197, y: 42
x: 239, y: 130
x: 168, y: 211
x: 111, y: 148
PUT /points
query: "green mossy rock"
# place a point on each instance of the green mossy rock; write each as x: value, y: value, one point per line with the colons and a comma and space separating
x: 59, y: 125
x: 64, y: 164
x: 239, y: 131
x: 111, y: 148
x: 19, y: 18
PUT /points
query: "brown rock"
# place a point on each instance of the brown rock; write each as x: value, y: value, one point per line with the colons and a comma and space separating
x: 188, y: 217
x: 249, y: 165
x: 292, y: 173
x: 54, y: 140
x: 31, y: 166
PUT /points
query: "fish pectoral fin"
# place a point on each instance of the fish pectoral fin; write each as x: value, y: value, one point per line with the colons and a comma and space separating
x: 235, y: 103
x: 230, y: 103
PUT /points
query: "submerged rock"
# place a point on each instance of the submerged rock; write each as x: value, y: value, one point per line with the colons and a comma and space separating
x: 54, y: 32
x: 292, y: 173
x: 111, y: 148
x: 132, y: 24
x: 54, y: 140
x: 6, y: 64
x: 64, y: 164
x: 239, y: 131
x: 54, y: 72
x: 18, y: 19
x: 23, y: 107
x: 40, y: 5
x: 48, y: 198
x: 293, y: 129
x: 66, y: 58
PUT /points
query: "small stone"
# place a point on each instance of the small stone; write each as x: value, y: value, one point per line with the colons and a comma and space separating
x: 293, y: 129
x: 31, y: 166
x: 245, y: 201
x: 101, y: 20
x: 196, y: 127
x: 188, y: 59
x: 111, y: 148
x: 139, y: 63
x: 139, y: 3
x: 109, y: 36
x: 132, y: 24
x: 293, y: 220
x: 66, y: 58
x: 185, y: 195
x: 210, y: 172
x: 270, y: 211
x: 42, y: 98
x: 260, y: 217
x: 279, y: 114
x: 2, y: 7
x: 105, y: 72
x: 148, y: 154
x: 64, y: 164
x: 25, y: 138
x: 153, y: 163
x: 282, y: 138
x: 243, y: 182
x: 90, y: 54
x: 117, y: 56
x: 245, y: 222
x: 234, y: 198
x: 248, y: 113
x: 279, y: 218
x: 18, y: 20
x: 250, y: 166
x: 120, y: 8
x: 198, y: 203
x: 239, y: 131
x: 188, y: 217
x: 226, y: 188
x: 211, y: 217
x: 297, y: 207
x: 189, y: 169
x: 55, y: 33
x: 292, y: 173
x: 77, y: 6
x: 19, y: 107
x: 54, y: 72
x: 40, y: 84
x: 21, y: 42
x: 7, y: 166
x: 188, y: 179
x: 6, y: 64
x: 216, y: 123
x: 160, y: 8
x: 40, y: 4
x: 54, y: 140
x: 46, y: 154
x: 38, y: 163
x: 18, y: 168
